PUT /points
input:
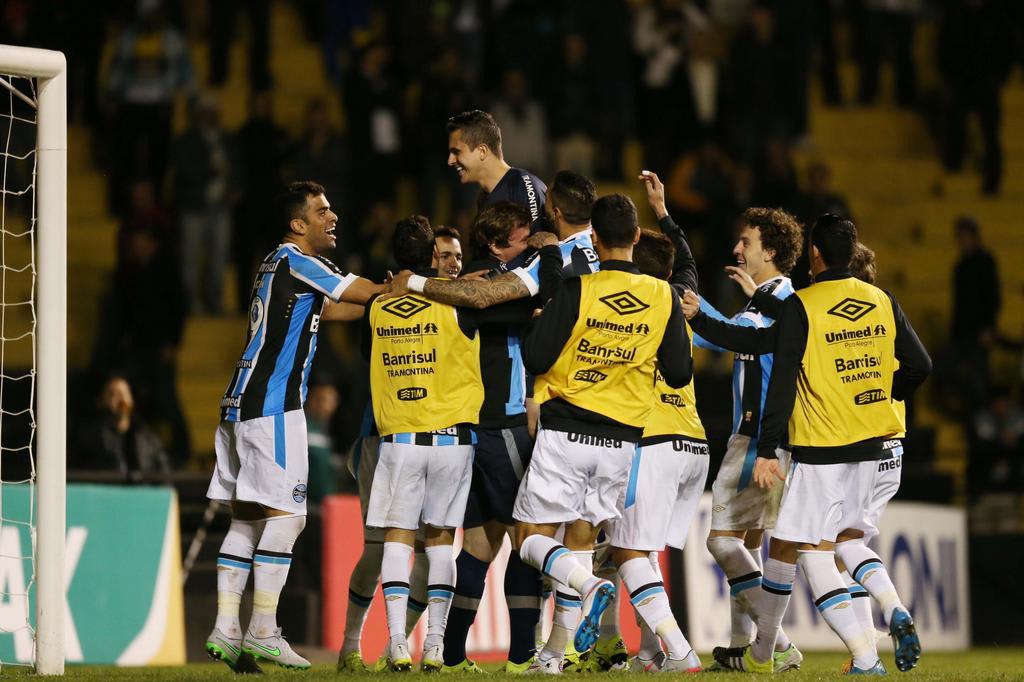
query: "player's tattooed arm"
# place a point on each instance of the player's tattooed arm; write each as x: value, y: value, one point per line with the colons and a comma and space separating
x: 475, y: 293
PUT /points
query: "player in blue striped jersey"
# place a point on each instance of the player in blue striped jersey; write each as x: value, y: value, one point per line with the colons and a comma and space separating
x: 262, y: 458
x: 768, y: 245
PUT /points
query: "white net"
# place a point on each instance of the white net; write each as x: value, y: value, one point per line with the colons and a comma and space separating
x: 18, y: 127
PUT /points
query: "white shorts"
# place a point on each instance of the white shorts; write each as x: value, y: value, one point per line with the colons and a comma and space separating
x: 263, y: 460
x: 885, y: 485
x: 574, y: 476
x: 420, y: 483
x: 666, y: 481
x: 737, y: 502
x: 819, y: 497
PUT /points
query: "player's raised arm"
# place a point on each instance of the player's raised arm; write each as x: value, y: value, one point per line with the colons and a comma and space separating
x: 684, y: 269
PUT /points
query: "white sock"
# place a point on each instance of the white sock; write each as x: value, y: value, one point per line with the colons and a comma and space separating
x: 867, y: 569
x: 776, y: 588
x: 833, y: 602
x: 861, y: 602
x: 744, y: 576
x: 394, y: 578
x: 568, y: 611
x: 440, y: 590
x: 554, y: 559
x: 361, y: 586
x: 647, y: 594
x: 417, y: 591
x: 270, y: 564
x: 234, y: 562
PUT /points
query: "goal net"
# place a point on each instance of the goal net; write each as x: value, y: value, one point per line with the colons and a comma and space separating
x: 33, y: 212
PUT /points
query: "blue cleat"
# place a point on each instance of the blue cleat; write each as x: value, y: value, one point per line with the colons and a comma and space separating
x: 876, y: 669
x: 595, y: 602
x: 905, y: 642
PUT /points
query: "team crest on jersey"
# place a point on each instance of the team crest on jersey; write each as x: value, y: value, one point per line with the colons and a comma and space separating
x: 405, y: 307
x: 624, y: 303
x: 299, y: 493
x: 851, y: 309
x: 255, y: 314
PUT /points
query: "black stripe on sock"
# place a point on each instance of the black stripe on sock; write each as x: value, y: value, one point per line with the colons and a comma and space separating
x: 828, y: 595
x: 568, y: 597
x: 874, y: 560
x: 235, y: 557
x: 267, y: 552
x: 450, y: 588
x: 394, y: 583
x: 768, y: 588
x: 858, y: 595
x: 644, y: 587
x: 548, y: 555
x: 744, y: 578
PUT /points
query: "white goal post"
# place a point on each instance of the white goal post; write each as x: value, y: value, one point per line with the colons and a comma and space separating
x: 49, y: 68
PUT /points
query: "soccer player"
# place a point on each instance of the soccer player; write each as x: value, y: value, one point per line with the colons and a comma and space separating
x: 262, y: 460
x: 768, y: 245
x: 426, y: 391
x: 502, y: 453
x: 593, y: 350
x: 474, y: 151
x: 447, y: 252
x: 668, y: 472
x: 447, y: 261
x: 836, y: 380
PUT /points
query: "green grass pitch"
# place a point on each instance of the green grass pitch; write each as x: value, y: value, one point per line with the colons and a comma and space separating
x: 975, y: 665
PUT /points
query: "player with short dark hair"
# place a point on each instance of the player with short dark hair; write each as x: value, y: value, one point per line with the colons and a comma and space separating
x: 447, y: 252
x: 474, y: 151
x: 262, y: 459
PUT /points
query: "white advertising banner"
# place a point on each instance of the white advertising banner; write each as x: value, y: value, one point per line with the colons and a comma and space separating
x: 924, y: 547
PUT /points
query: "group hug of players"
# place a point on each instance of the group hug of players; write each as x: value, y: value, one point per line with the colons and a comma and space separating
x: 594, y: 322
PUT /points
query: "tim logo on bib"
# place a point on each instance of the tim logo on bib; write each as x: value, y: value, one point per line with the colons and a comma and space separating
x: 851, y: 309
x: 624, y: 303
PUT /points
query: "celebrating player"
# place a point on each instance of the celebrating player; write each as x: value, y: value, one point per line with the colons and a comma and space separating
x: 262, y: 459
x: 447, y: 252
x: 836, y: 386
x: 593, y: 351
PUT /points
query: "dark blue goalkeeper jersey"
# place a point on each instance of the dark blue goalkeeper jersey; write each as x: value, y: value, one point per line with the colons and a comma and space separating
x: 284, y: 317
x: 520, y: 187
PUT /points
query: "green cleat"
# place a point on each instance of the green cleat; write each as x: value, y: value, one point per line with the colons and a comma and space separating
x: 518, y: 668
x: 351, y: 662
x: 574, y: 661
x: 221, y: 647
x: 739, y: 658
x: 609, y: 655
x: 380, y: 665
x: 789, y: 659
x: 467, y: 666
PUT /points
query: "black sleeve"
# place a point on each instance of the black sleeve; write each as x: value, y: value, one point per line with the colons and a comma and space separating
x: 515, y: 313
x: 915, y: 364
x: 684, y: 269
x: 767, y: 303
x: 366, y: 333
x: 734, y: 337
x: 545, y: 341
x: 550, y: 272
x: 468, y: 321
x: 674, y: 352
x: 778, y: 405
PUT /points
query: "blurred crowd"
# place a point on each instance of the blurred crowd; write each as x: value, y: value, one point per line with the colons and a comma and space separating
x: 715, y: 91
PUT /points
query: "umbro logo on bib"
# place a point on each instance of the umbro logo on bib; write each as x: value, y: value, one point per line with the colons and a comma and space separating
x: 405, y: 307
x: 851, y: 309
x: 624, y: 303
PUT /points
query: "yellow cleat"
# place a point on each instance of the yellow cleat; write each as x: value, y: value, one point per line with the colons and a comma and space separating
x: 609, y: 655
x: 352, y: 662
x: 467, y: 666
x: 518, y: 668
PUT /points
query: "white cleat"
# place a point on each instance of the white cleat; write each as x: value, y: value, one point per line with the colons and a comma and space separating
x: 643, y: 665
x: 433, y: 658
x: 690, y: 664
x: 787, y: 659
x: 274, y: 649
x: 550, y: 666
x: 398, y: 659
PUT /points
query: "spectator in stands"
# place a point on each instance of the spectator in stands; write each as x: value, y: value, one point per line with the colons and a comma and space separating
x: 326, y: 466
x: 997, y: 446
x: 974, y: 58
x: 886, y: 27
x: 149, y: 68
x: 976, y: 302
x: 524, y: 135
x: 322, y: 153
x: 658, y: 37
x: 223, y: 24
x: 570, y: 104
x: 117, y: 441
x: 775, y: 181
x: 206, y: 185
x: 262, y: 149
